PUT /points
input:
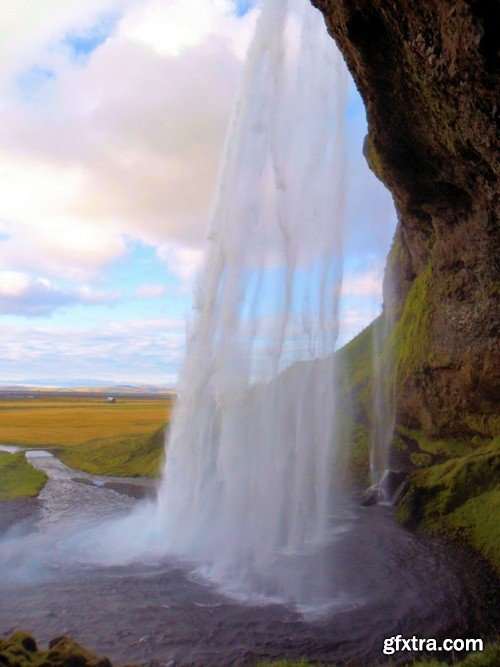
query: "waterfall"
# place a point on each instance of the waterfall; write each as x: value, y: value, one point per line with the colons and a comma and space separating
x: 383, y: 403
x: 250, y: 472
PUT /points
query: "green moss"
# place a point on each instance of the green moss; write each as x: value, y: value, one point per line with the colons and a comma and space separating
x: 373, y: 158
x: 21, y: 650
x: 399, y: 444
x: 484, y: 425
x: 459, y: 499
x: 477, y: 521
x: 18, y: 479
x: 490, y: 657
x: 449, y: 448
x: 421, y: 460
x: 408, y: 344
x: 140, y: 456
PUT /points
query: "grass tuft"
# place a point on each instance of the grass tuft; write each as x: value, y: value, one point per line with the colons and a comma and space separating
x: 18, y: 479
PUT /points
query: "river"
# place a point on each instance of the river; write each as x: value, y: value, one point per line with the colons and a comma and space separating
x: 382, y: 580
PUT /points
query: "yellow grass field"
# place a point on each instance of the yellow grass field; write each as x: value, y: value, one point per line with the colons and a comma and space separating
x: 70, y: 421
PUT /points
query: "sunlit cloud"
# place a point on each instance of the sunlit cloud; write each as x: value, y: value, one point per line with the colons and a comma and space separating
x: 184, y: 262
x: 171, y: 27
x: 126, y: 143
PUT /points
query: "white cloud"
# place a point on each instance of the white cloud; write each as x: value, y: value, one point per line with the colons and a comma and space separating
x: 39, y: 234
x: 171, y: 26
x: 20, y: 294
x: 184, y: 262
x: 125, y: 145
x: 13, y: 283
x: 149, y: 350
x: 29, y: 30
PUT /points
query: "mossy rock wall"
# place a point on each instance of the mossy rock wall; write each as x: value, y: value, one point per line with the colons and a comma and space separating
x: 428, y: 73
x: 453, y: 487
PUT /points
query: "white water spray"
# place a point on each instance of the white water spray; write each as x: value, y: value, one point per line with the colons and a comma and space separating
x: 249, y: 477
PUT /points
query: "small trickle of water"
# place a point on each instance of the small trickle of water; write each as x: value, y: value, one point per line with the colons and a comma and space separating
x: 249, y: 478
x: 383, y: 403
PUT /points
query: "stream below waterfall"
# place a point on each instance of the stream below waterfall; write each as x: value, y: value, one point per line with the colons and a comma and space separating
x: 383, y: 581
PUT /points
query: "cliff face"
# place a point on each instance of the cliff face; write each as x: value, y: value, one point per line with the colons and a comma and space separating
x: 427, y: 72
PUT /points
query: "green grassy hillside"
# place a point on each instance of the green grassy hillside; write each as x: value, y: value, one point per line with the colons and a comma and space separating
x: 138, y: 456
x: 18, y: 479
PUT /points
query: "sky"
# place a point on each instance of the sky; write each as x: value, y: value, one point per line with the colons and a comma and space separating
x: 113, y: 115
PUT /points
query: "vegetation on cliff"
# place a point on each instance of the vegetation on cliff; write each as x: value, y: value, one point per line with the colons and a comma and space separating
x: 453, y: 487
x: 459, y: 498
x: 21, y: 650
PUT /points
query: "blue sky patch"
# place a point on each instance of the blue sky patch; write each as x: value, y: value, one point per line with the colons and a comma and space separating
x: 33, y: 78
x: 244, y: 6
x: 83, y: 42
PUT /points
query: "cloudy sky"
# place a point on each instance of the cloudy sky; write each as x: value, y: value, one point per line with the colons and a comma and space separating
x: 112, y: 121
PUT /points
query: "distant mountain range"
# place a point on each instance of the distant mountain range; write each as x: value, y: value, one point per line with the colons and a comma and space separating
x: 84, y: 386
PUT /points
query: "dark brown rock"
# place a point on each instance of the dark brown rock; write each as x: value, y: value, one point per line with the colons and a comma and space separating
x: 392, y: 483
x: 428, y: 73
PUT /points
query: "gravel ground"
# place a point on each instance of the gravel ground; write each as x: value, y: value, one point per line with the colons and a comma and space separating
x: 14, y: 511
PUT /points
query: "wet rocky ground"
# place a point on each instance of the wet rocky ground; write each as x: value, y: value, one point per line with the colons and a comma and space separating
x: 13, y: 512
